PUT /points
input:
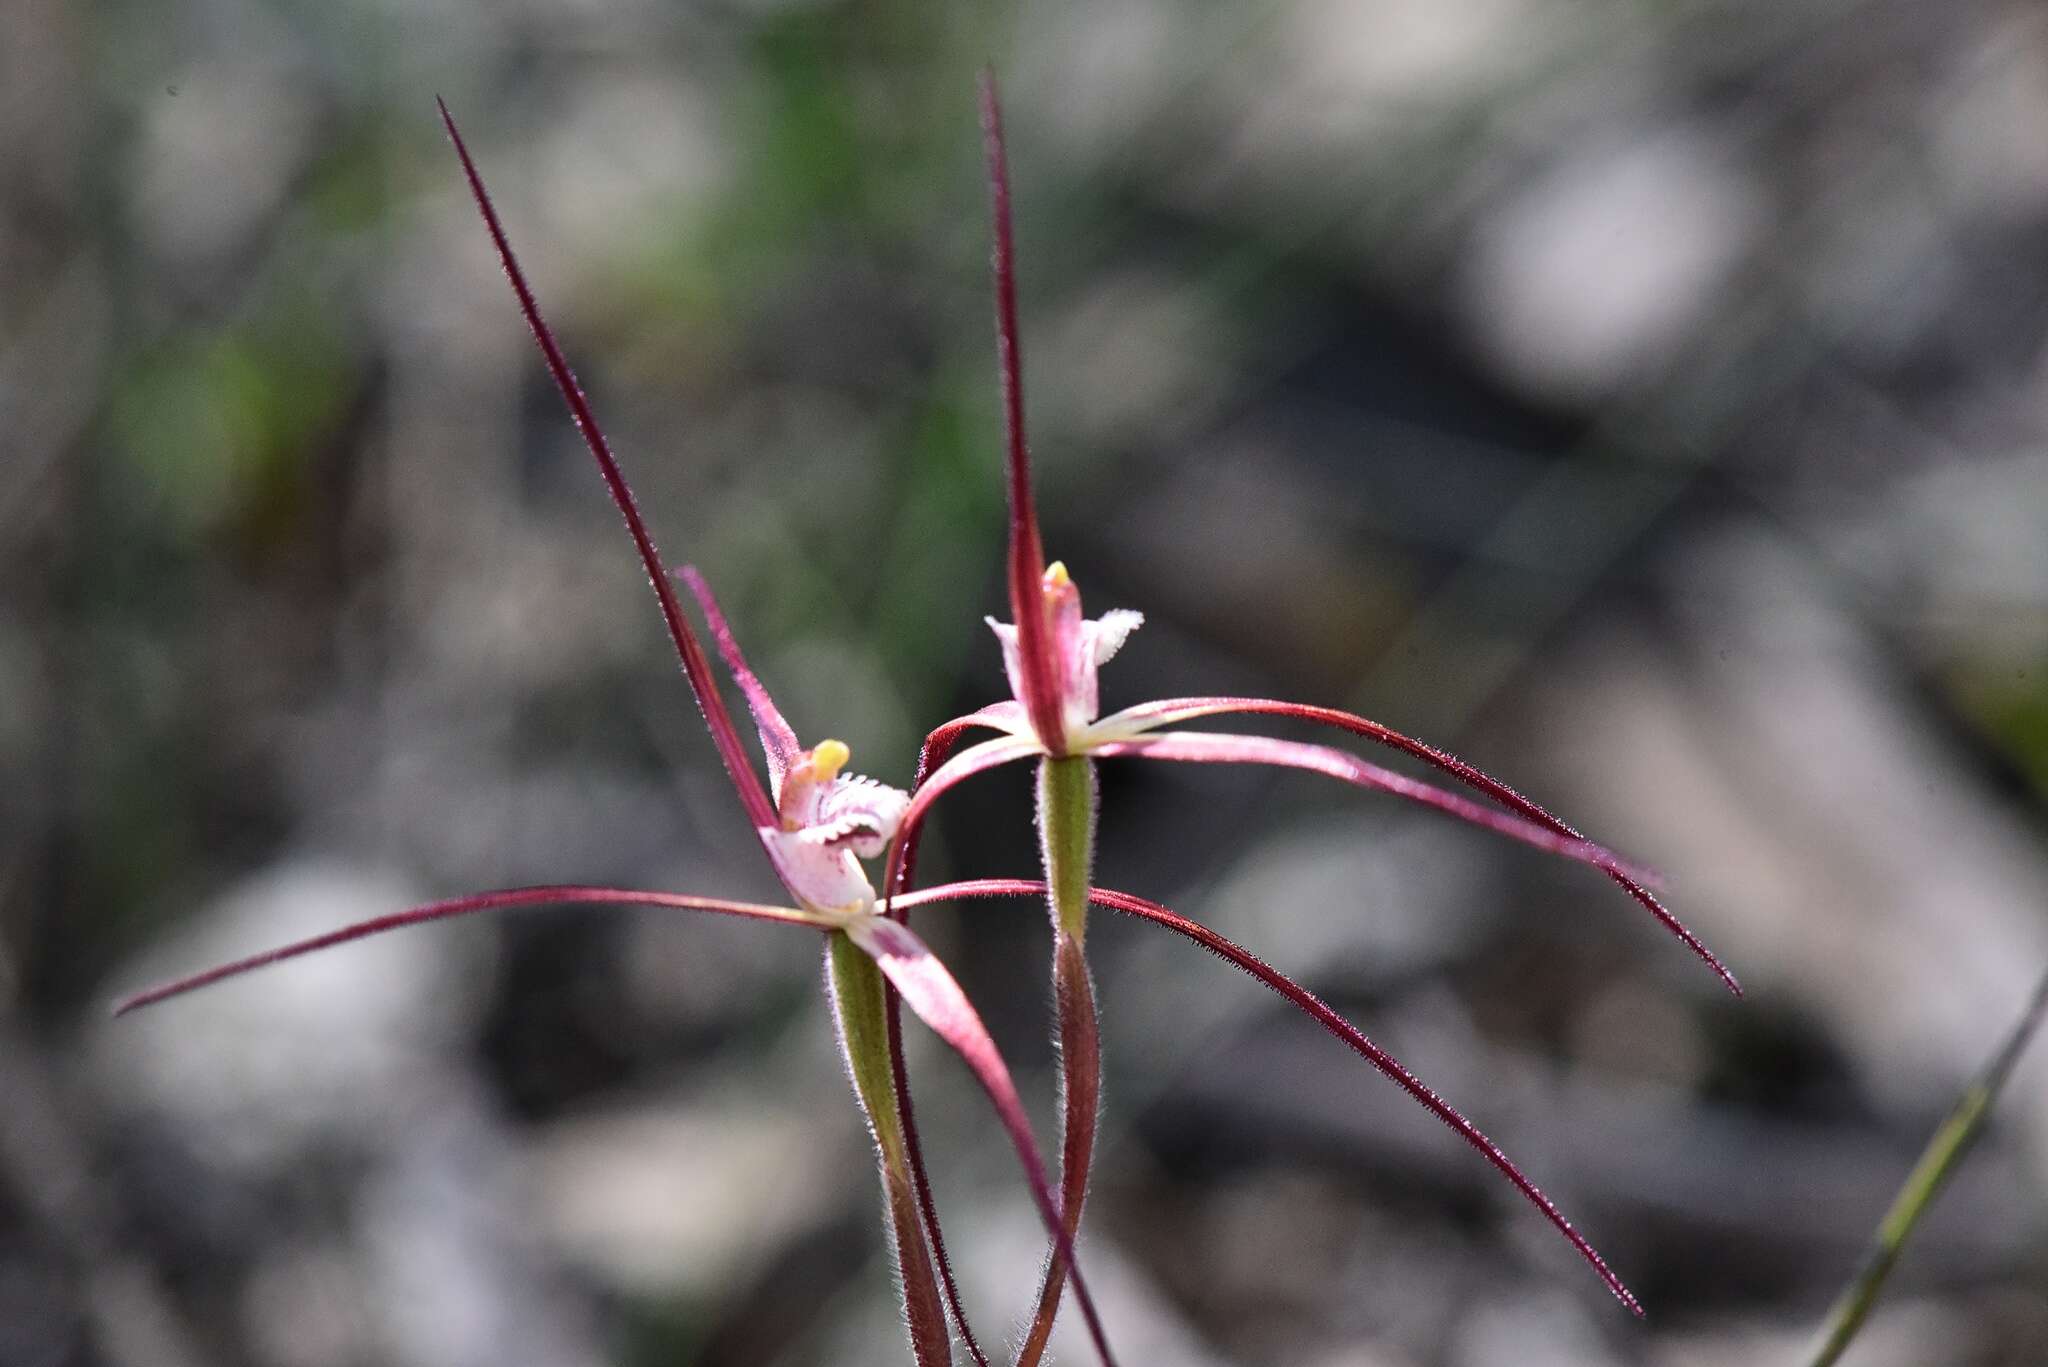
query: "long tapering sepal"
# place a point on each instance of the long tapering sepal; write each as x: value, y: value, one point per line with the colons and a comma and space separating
x: 1397, y: 1072
x: 1208, y: 747
x: 1172, y: 711
x: 1324, y: 1015
x: 502, y: 900
x: 1026, y: 563
x: 696, y: 667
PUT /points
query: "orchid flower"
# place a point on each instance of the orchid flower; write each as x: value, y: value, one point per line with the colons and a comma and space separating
x: 816, y: 823
x: 1052, y: 653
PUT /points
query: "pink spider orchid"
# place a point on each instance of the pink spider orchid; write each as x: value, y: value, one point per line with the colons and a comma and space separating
x: 1052, y: 654
x: 816, y: 823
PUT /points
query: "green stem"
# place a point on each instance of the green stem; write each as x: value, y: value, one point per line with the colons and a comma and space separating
x: 859, y: 1005
x: 1951, y: 1142
x: 1066, y: 824
x: 1066, y: 835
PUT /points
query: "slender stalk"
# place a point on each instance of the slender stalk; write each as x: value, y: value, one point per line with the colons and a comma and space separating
x: 903, y: 870
x: 1952, y: 1141
x: 858, y: 993
x: 1080, y: 1113
x: 1067, y: 803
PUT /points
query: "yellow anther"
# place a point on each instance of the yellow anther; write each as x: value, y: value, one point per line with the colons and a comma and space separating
x: 1056, y: 575
x: 828, y: 758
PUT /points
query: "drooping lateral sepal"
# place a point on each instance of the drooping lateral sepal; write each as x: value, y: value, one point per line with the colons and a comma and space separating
x: 1319, y: 1011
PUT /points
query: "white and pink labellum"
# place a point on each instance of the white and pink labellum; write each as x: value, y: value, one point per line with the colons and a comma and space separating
x: 829, y: 822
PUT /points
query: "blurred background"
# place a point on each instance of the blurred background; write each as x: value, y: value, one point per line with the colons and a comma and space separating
x: 1643, y: 400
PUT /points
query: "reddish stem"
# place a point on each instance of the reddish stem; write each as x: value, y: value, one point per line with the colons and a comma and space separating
x: 936, y: 747
x: 1080, y: 1111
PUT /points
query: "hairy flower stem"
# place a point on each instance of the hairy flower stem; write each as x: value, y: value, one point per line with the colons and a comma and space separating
x: 858, y: 1006
x: 1067, y: 801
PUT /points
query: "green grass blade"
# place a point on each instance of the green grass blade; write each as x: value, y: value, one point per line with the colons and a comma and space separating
x: 1951, y: 1142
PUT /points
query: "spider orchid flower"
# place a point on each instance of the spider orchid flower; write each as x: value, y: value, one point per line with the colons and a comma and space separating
x: 816, y: 823
x: 1052, y: 653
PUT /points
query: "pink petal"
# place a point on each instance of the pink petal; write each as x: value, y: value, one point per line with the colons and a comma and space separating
x: 560, y: 895
x: 931, y: 992
x: 1205, y: 748
x: 695, y: 667
x: 1324, y: 1015
x: 778, y: 740
x: 975, y: 759
x: 1070, y: 653
x: 968, y: 887
x: 1172, y: 711
x: 1106, y: 634
x: 1013, y: 661
x: 1006, y: 716
x: 1081, y: 646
